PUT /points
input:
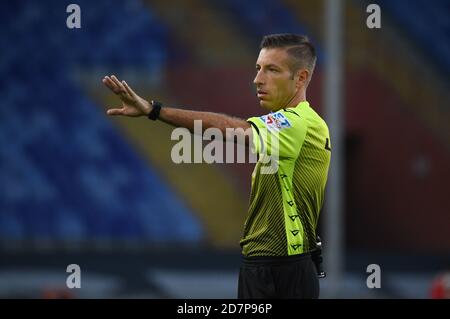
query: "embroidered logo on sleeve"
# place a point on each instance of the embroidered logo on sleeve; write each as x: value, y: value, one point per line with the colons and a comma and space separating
x: 275, y: 121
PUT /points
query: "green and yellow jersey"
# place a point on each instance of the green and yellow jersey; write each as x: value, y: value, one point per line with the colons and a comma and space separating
x: 288, y: 182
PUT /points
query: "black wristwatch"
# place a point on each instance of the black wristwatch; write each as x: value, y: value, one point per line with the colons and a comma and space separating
x: 156, y: 108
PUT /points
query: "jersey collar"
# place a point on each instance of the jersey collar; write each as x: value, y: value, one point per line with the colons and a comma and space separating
x: 301, y: 105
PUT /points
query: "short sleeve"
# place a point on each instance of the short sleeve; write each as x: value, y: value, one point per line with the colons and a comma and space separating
x: 281, y: 133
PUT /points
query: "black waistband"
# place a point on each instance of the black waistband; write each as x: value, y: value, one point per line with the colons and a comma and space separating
x: 258, y: 260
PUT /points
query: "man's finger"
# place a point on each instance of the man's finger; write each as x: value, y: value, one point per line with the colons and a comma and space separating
x: 118, y: 84
x: 105, y: 82
x: 110, y: 84
x: 115, y: 112
x: 128, y: 89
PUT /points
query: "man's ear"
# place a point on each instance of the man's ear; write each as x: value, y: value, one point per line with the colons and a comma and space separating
x: 302, y: 77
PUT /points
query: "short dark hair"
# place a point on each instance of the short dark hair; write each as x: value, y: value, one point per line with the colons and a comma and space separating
x: 298, y: 46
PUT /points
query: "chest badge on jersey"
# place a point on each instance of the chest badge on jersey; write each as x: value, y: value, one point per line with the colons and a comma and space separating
x: 276, y: 121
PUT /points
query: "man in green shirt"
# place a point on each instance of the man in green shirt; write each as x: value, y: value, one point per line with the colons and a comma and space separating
x: 286, y: 199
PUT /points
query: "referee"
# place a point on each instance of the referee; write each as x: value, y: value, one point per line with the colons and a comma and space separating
x: 280, y: 231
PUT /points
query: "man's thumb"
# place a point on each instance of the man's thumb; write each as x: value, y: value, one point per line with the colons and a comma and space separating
x: 114, y: 112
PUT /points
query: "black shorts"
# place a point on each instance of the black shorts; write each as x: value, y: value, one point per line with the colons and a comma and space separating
x: 288, y: 277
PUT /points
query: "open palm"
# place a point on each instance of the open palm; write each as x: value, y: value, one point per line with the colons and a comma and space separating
x: 132, y: 104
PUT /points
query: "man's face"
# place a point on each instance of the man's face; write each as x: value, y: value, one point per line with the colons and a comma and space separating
x: 275, y: 85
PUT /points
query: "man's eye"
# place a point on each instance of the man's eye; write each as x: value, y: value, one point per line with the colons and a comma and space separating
x: 274, y: 70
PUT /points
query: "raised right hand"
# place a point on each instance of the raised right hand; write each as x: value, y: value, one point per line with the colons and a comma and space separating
x: 132, y: 104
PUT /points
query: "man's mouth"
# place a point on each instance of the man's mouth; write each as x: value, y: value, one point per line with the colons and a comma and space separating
x: 261, y: 93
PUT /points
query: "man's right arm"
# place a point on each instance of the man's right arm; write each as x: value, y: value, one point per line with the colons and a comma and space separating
x: 186, y: 118
x: 134, y: 105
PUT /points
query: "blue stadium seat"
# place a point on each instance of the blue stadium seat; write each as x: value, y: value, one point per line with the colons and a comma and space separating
x: 262, y: 17
x: 66, y: 174
x: 427, y: 24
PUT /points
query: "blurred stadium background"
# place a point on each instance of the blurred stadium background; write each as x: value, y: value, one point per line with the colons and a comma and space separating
x: 80, y: 188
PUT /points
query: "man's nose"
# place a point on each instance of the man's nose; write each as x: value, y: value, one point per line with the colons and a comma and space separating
x: 258, y: 79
